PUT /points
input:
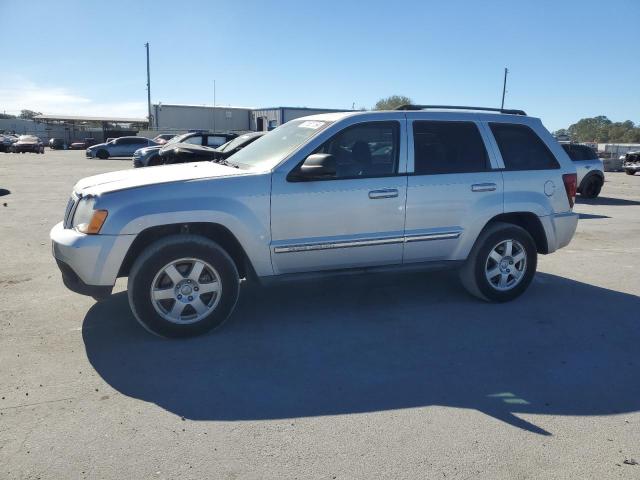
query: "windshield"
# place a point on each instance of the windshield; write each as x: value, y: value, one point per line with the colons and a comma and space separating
x: 277, y: 144
x: 241, y: 140
x: 177, y: 139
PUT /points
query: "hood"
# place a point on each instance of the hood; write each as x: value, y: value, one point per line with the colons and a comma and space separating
x: 140, y: 177
x: 92, y: 146
x: 145, y: 150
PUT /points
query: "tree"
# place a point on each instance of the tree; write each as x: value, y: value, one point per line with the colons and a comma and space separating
x: 601, y: 129
x: 28, y: 114
x: 391, y: 102
x: 6, y: 116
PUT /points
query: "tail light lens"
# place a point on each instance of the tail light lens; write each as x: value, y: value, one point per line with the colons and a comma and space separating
x: 570, y: 181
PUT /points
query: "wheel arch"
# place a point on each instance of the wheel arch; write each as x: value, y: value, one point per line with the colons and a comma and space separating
x: 213, y: 231
x: 589, y: 176
x: 529, y: 222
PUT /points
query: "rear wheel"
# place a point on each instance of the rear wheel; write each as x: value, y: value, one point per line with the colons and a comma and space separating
x: 501, y: 264
x: 183, y: 285
x: 591, y: 187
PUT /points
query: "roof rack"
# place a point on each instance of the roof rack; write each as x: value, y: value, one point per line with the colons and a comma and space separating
x: 459, y: 107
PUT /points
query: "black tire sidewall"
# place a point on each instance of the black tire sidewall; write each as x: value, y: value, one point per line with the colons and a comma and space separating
x: 515, y: 233
x: 593, y: 184
x: 141, y: 284
x: 102, y: 154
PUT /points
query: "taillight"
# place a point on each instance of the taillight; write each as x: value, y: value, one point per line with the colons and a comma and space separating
x: 571, y: 186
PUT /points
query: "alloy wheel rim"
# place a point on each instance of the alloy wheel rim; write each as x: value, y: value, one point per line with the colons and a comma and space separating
x: 186, y: 290
x: 506, y: 265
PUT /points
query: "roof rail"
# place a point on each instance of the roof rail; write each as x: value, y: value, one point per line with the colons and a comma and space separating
x: 459, y: 107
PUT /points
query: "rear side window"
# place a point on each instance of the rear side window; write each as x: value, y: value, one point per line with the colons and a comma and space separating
x: 521, y: 148
x: 580, y: 152
x: 448, y: 147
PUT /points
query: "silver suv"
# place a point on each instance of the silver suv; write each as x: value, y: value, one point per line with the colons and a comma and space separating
x: 412, y: 188
x: 589, y: 168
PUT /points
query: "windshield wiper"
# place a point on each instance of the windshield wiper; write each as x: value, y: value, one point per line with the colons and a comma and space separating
x: 225, y: 162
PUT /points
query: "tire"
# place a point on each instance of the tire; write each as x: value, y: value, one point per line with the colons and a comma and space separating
x: 154, y: 161
x: 473, y: 274
x: 102, y: 154
x: 591, y: 187
x: 219, y: 277
x: 630, y: 172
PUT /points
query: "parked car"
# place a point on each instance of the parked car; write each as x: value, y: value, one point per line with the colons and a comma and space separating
x: 6, y: 142
x: 632, y: 163
x: 28, y: 143
x: 612, y: 163
x: 120, y: 147
x: 56, y: 143
x: 589, y: 168
x: 82, y: 144
x: 481, y: 192
x: 187, y: 153
x: 148, y: 157
x: 163, y: 138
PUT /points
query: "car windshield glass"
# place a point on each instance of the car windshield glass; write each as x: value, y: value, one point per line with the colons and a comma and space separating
x: 177, y: 139
x: 234, y: 143
x: 277, y: 144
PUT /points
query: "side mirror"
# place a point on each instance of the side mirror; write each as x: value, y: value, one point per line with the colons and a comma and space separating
x: 317, y: 166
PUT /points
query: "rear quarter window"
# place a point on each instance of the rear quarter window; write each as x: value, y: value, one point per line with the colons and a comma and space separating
x: 580, y: 152
x: 521, y: 148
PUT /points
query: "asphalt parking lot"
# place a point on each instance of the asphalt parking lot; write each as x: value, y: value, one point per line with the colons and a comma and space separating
x: 369, y: 377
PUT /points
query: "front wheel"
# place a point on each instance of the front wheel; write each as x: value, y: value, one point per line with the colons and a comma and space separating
x: 183, y: 285
x: 102, y: 154
x: 501, y: 264
x: 630, y: 172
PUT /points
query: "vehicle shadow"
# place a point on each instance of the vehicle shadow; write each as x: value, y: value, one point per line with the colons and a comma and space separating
x: 589, y: 216
x: 606, y: 201
x: 382, y: 342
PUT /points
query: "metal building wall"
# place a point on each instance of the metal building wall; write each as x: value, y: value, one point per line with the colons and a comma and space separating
x: 190, y: 117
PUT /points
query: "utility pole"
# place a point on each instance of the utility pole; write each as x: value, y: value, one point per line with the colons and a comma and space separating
x: 504, y: 86
x: 214, y: 106
x: 148, y: 85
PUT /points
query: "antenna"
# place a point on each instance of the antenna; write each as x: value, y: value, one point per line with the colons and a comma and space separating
x: 504, y: 86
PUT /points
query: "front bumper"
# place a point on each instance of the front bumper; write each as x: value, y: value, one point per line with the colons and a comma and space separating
x: 633, y: 167
x: 89, y: 263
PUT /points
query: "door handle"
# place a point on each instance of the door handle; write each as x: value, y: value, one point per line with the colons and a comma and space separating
x: 385, y: 193
x: 483, y: 187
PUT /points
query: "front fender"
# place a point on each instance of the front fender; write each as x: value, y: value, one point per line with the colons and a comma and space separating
x: 242, y: 209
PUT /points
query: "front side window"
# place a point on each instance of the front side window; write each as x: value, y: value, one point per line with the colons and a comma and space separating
x: 195, y: 140
x: 365, y: 150
x: 521, y: 148
x: 448, y: 147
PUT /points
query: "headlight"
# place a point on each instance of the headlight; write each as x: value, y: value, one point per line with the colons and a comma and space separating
x: 86, y: 219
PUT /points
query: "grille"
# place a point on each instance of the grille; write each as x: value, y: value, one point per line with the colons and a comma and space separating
x: 68, y: 213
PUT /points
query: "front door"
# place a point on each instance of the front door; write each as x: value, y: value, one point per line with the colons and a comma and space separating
x: 355, y: 218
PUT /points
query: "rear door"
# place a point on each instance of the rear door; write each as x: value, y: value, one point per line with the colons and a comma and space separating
x: 455, y: 188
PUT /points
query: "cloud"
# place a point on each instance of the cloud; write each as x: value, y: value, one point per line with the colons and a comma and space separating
x: 17, y: 94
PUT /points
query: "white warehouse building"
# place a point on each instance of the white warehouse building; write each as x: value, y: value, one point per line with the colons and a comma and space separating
x: 173, y: 118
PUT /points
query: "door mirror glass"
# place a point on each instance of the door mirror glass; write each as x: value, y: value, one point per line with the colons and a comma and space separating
x: 316, y: 167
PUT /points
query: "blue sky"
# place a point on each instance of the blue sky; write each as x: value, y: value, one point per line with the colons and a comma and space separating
x: 567, y: 59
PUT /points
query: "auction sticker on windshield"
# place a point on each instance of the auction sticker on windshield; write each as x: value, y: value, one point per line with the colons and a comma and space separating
x: 311, y: 124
